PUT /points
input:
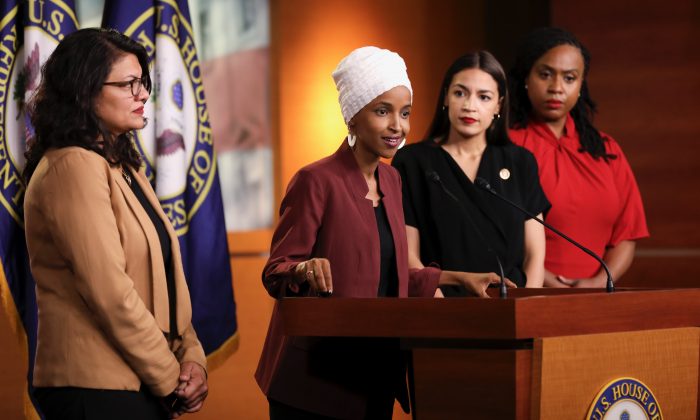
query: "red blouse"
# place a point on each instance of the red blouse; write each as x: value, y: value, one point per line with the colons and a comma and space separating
x: 595, y: 202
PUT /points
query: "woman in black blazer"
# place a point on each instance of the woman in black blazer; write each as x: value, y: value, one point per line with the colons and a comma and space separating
x: 450, y: 221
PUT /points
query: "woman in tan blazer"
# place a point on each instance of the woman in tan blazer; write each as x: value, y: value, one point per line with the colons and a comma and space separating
x: 115, y: 338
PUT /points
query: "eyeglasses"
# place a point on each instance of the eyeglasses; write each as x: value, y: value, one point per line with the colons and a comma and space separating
x: 134, y: 84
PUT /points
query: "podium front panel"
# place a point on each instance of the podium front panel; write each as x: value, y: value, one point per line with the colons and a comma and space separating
x: 569, y: 372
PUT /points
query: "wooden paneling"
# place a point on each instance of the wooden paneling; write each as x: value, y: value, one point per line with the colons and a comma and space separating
x: 570, y: 371
x: 644, y: 77
x: 663, y: 271
x: 524, y: 315
x: 487, y: 368
x: 473, y: 384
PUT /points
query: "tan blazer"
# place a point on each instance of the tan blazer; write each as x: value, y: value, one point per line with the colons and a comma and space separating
x: 100, y: 279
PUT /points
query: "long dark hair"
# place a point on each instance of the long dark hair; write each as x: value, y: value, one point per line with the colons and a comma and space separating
x: 531, y: 48
x: 62, y: 111
x: 497, y: 132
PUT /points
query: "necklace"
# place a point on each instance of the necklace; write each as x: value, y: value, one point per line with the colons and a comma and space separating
x: 126, y: 176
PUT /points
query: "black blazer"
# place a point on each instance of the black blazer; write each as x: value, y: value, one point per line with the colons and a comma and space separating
x: 459, y: 222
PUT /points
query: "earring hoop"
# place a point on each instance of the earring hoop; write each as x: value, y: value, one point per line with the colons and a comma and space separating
x: 352, y: 139
x: 403, y: 143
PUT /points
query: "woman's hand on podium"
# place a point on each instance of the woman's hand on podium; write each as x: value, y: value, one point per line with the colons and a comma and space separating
x: 554, y: 280
x: 476, y: 283
x: 317, y: 272
x: 597, y: 281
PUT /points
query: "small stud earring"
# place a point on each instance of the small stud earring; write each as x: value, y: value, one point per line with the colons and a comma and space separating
x: 525, y: 86
x: 496, y: 116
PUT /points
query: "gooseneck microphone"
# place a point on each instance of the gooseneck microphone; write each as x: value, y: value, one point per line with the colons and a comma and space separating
x: 434, y: 177
x: 483, y: 184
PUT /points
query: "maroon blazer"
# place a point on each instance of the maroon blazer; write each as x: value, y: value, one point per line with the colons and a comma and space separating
x: 325, y: 214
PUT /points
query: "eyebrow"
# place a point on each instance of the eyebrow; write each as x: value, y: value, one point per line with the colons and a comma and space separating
x: 554, y: 69
x: 478, y: 91
x: 387, y: 104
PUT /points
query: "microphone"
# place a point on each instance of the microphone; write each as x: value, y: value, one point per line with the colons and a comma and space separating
x: 434, y: 177
x: 483, y: 184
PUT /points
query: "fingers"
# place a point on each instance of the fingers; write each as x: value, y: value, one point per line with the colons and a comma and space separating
x: 326, y: 270
x: 318, y: 275
x: 559, y: 285
x: 563, y: 280
x: 195, y: 408
x: 493, y: 278
x: 186, y: 372
x: 193, y: 390
x: 481, y: 292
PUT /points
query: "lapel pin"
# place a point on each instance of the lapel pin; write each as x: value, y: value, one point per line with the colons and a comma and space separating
x: 504, y: 174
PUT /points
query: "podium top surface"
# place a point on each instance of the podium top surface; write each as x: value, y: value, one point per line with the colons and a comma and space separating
x: 525, y: 314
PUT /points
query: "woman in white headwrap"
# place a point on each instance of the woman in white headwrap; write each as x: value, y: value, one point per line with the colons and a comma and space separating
x: 341, y: 232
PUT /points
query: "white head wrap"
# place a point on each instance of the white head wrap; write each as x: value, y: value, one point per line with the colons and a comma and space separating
x: 365, y: 74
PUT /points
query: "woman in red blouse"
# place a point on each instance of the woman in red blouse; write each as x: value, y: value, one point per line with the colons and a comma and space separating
x: 585, y: 175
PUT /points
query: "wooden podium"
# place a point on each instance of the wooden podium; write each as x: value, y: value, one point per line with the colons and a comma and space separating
x: 539, y: 354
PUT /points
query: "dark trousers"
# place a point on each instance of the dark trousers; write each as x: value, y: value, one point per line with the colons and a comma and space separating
x: 70, y: 403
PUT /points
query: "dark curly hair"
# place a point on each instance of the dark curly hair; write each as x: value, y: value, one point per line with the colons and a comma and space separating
x: 62, y: 111
x: 530, y: 49
x: 497, y: 132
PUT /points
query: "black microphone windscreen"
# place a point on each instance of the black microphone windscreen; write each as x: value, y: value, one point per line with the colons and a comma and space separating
x: 433, y: 176
x: 481, y: 182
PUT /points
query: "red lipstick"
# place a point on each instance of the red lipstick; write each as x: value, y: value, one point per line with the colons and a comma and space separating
x: 554, y: 104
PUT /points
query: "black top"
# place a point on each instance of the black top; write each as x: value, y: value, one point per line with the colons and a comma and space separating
x: 165, y: 246
x: 460, y: 223
x: 388, y: 278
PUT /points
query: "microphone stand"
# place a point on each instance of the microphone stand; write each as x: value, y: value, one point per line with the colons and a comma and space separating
x: 503, y: 290
x: 610, y: 285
